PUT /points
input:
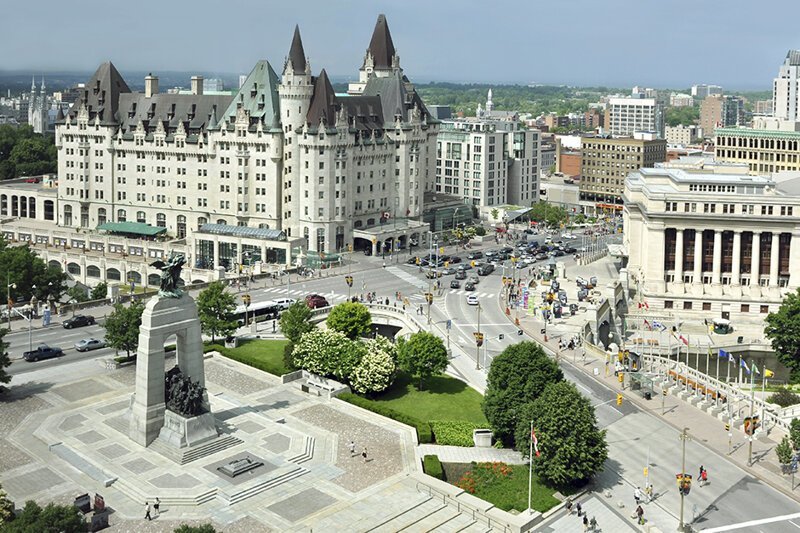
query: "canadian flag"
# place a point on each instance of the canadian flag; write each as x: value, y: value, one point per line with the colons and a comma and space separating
x: 535, y: 442
x: 684, y: 340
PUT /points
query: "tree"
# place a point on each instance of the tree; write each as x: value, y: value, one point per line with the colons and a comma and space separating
x: 784, y: 397
x: 351, y: 318
x: 495, y: 213
x: 100, y: 291
x: 77, y: 293
x: 205, y: 528
x: 5, y: 359
x: 23, y: 269
x: 296, y: 321
x: 122, y: 327
x: 783, y: 329
x: 517, y: 376
x: 61, y: 518
x: 6, y: 507
x: 794, y: 433
x: 422, y: 355
x: 550, y: 215
x: 215, y: 308
x: 784, y: 452
x: 325, y: 352
x: 572, y: 448
x: 376, y: 370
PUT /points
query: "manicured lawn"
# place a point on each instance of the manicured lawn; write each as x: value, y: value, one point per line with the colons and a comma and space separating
x: 505, y: 486
x: 442, y: 398
x: 265, y: 355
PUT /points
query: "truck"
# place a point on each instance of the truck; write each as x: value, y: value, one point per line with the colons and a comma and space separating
x: 42, y: 351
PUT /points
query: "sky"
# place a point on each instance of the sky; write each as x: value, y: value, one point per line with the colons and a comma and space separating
x: 658, y: 43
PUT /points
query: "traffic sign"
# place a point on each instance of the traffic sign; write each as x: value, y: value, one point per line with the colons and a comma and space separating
x: 645, y: 471
x: 449, y: 324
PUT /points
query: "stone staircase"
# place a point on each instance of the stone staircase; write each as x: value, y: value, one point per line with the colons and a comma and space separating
x: 307, y: 454
x: 168, y: 498
x: 187, y: 455
x: 430, y: 514
x: 232, y: 498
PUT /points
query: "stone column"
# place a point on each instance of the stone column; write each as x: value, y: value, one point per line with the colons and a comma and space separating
x: 774, y: 259
x: 698, y: 257
x: 755, y: 260
x: 679, y: 256
x: 794, y: 259
x: 736, y: 260
x: 717, y: 264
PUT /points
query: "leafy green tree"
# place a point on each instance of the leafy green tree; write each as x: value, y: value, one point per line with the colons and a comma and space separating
x: 517, y: 376
x: 784, y: 397
x: 351, y: 318
x: 551, y: 215
x: 423, y: 355
x: 784, y: 452
x: 686, y: 115
x: 77, y: 293
x: 6, y: 507
x: 205, y: 528
x: 5, y: 359
x: 783, y: 329
x: 61, y: 518
x: 376, y: 370
x: 23, y: 269
x: 216, y: 308
x: 327, y: 353
x: 296, y: 321
x: 100, y: 291
x: 34, y: 156
x: 122, y: 327
x: 572, y: 447
x: 495, y: 213
x: 794, y: 433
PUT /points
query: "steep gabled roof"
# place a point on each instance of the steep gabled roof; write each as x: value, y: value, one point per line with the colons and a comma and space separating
x: 297, y: 54
x: 258, y: 95
x: 397, y: 97
x: 381, y: 46
x: 323, y: 103
x: 101, y: 94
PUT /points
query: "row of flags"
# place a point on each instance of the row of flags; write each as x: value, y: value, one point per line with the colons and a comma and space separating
x: 723, y: 354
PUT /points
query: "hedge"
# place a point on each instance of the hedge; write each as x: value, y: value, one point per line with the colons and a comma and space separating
x: 424, y: 434
x: 432, y: 466
x: 453, y: 432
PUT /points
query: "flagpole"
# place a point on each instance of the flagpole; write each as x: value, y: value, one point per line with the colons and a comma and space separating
x: 697, y: 368
x: 530, y: 470
x: 752, y: 424
x: 763, y: 401
x: 716, y: 396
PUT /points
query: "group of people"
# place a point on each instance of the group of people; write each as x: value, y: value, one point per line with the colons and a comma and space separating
x: 570, y: 344
x: 353, y: 453
x: 639, y: 497
x: 589, y: 524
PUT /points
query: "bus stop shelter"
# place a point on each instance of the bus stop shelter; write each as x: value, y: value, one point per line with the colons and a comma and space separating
x: 643, y: 382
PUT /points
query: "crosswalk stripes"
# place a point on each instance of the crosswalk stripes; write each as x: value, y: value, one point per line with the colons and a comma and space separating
x: 408, y: 278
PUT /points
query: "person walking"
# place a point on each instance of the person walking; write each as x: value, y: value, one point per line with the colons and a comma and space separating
x: 364, y: 454
x: 578, y: 508
x: 568, y: 505
x: 640, y: 515
x: 700, y: 475
x: 352, y: 447
x: 648, y: 492
x: 147, y: 511
x: 156, y: 507
x: 585, y: 523
x: 637, y: 495
x: 703, y: 477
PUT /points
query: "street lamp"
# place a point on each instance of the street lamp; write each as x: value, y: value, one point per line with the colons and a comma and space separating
x: 9, y: 286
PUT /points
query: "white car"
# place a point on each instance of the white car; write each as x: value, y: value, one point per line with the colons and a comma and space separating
x: 568, y: 236
x: 472, y: 300
x: 285, y: 303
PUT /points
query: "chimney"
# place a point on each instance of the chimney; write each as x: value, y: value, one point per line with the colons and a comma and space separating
x: 150, y: 85
x: 197, y: 85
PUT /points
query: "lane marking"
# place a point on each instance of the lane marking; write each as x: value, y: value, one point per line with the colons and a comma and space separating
x: 751, y: 523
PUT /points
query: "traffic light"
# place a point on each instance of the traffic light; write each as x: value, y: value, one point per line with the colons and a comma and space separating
x: 349, y: 247
x: 478, y: 338
x: 472, y: 263
x: 349, y: 280
x: 446, y: 264
x: 727, y: 427
x: 441, y: 250
x: 664, y: 392
x: 246, y: 299
x: 619, y: 399
x: 417, y: 260
x: 684, y: 483
x: 429, y: 297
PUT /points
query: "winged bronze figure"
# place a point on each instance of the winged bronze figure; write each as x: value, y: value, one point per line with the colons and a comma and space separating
x: 170, y: 275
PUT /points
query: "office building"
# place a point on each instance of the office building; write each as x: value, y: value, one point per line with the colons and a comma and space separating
x: 681, y: 100
x: 721, y: 112
x: 764, y: 151
x: 701, y: 92
x: 626, y: 116
x: 722, y: 245
x: 682, y: 135
x: 606, y: 161
x: 786, y: 88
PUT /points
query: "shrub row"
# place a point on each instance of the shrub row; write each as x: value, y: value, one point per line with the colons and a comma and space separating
x: 424, y: 434
x: 432, y: 466
x: 453, y: 432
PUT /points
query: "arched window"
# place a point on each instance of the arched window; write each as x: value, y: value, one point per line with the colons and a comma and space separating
x: 201, y: 221
x: 263, y: 226
x: 112, y: 274
x: 306, y: 232
x: 134, y: 277
x: 154, y: 280
x: 49, y: 210
x: 141, y: 217
x: 161, y: 220
x: 74, y: 269
x: 3, y: 204
x: 181, y: 226
x: 222, y: 222
x: 93, y: 271
x: 101, y: 216
x: 121, y: 216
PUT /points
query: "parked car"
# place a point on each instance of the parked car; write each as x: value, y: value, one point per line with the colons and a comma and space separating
x: 32, y: 180
x: 79, y: 321
x: 315, y: 301
x: 455, y: 284
x: 461, y: 274
x: 474, y: 255
x: 85, y: 345
x: 472, y: 300
x: 284, y: 303
x: 469, y: 286
x: 43, y: 351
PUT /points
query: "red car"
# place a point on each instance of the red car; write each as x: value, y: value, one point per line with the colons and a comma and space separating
x: 32, y: 180
x: 315, y: 301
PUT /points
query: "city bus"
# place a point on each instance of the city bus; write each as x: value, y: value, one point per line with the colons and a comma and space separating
x: 259, y: 311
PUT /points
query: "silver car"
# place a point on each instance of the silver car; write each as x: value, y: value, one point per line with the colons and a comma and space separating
x: 85, y: 345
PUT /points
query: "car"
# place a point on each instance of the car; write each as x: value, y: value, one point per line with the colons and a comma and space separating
x: 78, y: 321
x: 412, y: 261
x: 455, y: 260
x: 85, y: 345
x: 469, y: 286
x: 284, y: 303
x: 315, y: 301
x: 43, y: 351
x: 432, y: 274
x: 474, y: 280
x: 474, y: 255
x: 506, y: 250
x: 485, y: 270
x: 455, y: 284
x: 541, y: 256
x: 570, y: 249
x: 460, y: 274
x: 465, y: 266
x: 568, y: 236
x: 472, y: 299
x: 31, y: 180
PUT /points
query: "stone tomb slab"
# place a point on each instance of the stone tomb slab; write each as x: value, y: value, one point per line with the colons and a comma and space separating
x: 277, y: 443
x: 32, y: 482
x: 250, y: 475
x: 302, y: 504
x: 75, y: 392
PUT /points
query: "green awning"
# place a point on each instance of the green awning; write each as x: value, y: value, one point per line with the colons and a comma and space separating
x: 135, y: 228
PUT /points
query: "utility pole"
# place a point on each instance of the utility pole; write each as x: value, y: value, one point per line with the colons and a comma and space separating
x: 684, y: 437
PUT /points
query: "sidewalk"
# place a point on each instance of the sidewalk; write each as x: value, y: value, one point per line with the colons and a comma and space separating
x: 460, y: 454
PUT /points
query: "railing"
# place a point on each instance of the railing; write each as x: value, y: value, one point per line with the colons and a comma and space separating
x: 379, y: 309
x: 461, y: 507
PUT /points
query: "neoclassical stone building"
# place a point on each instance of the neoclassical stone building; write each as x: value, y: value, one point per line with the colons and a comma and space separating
x: 285, y: 153
x: 726, y: 245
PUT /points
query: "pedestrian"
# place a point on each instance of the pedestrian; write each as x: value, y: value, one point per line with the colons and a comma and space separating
x: 637, y: 495
x: 352, y: 447
x: 147, y: 510
x: 568, y: 505
x: 578, y: 508
x: 585, y: 523
x: 640, y: 514
x: 704, y: 477
x: 648, y: 492
x: 273, y: 325
x: 700, y: 475
x: 156, y: 507
x: 593, y: 524
x: 364, y: 454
